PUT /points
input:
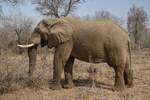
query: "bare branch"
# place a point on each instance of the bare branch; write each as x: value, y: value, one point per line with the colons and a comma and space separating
x: 13, y: 2
x: 56, y: 8
x: 15, y: 28
x: 137, y: 24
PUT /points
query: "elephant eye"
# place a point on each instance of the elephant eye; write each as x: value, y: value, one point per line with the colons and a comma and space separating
x: 36, y: 30
x: 49, y: 28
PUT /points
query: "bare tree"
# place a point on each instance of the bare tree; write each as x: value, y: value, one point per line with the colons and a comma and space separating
x: 56, y: 8
x: 1, y: 15
x: 16, y: 29
x: 104, y: 15
x: 87, y: 17
x: 137, y: 24
x: 13, y: 2
x: 146, y: 39
x: 23, y: 29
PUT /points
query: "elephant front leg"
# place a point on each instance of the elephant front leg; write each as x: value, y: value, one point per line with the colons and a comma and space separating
x: 68, y: 73
x: 57, y: 71
x: 62, y: 53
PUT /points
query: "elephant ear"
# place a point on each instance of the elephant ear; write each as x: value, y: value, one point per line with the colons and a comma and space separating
x: 60, y: 30
x: 61, y: 35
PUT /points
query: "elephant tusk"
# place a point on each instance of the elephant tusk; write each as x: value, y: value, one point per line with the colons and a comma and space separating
x: 26, y: 46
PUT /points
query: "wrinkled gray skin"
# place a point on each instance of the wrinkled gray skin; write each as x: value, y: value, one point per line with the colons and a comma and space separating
x: 89, y: 41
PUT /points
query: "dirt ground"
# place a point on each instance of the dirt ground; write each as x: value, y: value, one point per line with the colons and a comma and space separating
x: 14, y: 79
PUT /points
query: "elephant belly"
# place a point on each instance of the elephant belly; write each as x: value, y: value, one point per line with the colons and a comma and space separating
x: 92, y: 54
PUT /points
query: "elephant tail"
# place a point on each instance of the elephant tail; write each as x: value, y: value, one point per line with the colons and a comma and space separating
x: 129, y: 52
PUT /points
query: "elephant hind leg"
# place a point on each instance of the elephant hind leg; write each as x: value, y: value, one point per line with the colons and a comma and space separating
x: 68, y: 73
x: 119, y: 79
x: 128, y: 74
x: 117, y: 61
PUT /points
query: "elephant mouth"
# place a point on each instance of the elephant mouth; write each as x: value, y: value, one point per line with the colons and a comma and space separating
x: 26, y: 46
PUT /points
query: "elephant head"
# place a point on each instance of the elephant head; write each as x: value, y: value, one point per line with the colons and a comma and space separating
x: 48, y: 32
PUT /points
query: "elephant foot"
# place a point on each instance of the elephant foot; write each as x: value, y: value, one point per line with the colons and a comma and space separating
x: 31, y: 82
x: 129, y: 85
x: 118, y: 88
x: 55, y: 86
x: 68, y: 86
x: 129, y: 79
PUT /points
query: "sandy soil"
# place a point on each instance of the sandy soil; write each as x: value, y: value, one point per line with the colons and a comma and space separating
x: 13, y: 73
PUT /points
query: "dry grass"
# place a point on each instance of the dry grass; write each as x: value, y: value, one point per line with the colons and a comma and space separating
x: 93, y: 81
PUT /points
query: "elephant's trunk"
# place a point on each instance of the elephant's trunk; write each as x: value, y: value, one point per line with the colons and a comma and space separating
x: 32, y: 53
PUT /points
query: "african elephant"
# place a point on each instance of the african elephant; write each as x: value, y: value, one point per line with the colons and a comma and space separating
x: 90, y: 41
